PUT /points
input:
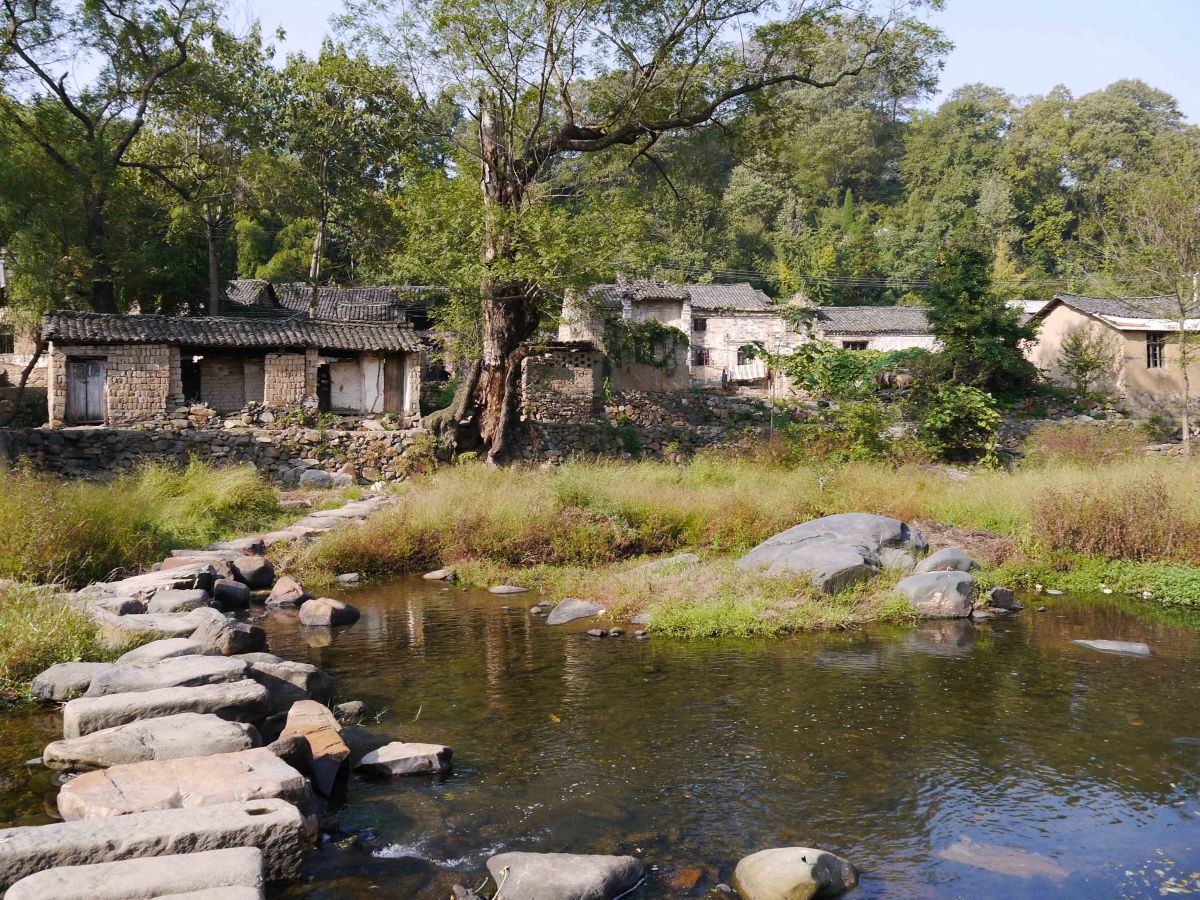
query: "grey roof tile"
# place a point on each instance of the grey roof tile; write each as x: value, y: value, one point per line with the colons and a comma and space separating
x: 872, y: 319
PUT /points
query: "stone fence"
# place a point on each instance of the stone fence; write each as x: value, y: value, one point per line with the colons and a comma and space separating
x: 288, y: 454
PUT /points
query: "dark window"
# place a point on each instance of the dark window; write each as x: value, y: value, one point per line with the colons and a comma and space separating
x: 699, y: 324
x: 418, y: 319
x: 1156, y: 348
x: 855, y: 345
x: 742, y: 358
x: 699, y: 357
x: 6, y: 339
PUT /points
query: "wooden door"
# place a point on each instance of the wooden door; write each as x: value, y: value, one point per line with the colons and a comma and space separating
x: 393, y: 384
x: 87, y: 390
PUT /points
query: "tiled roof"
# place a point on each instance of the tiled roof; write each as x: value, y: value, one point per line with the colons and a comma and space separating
x: 218, y: 331
x: 387, y: 303
x: 252, y: 293
x: 1159, y: 313
x: 872, y: 319
x: 704, y: 297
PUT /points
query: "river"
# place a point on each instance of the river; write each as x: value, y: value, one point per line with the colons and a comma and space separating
x: 1078, y: 772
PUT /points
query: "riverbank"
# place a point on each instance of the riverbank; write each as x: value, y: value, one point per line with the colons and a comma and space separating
x: 1130, y: 524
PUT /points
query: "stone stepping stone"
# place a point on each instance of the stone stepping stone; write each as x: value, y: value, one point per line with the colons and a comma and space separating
x: 151, y: 876
x: 179, y: 671
x: 239, y: 701
x: 167, y: 648
x: 63, y: 681
x: 287, y: 592
x: 256, y: 572
x: 327, y: 612
x: 571, y: 609
x: 314, y: 722
x: 199, y: 574
x: 275, y: 827
x: 167, y: 737
x: 1120, y: 648
x: 557, y: 876
x: 794, y: 872
x: 169, y: 600
x: 507, y: 589
x: 439, y: 575
x: 399, y: 758
x: 287, y: 681
x: 256, y: 774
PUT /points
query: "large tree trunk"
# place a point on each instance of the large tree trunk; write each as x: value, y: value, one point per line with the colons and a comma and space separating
x: 509, y: 314
x: 22, y: 384
x: 314, y: 267
x: 103, y: 297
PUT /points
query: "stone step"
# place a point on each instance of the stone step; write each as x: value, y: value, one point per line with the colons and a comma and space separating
x: 239, y: 701
x: 167, y: 737
x: 184, y: 783
x: 275, y: 827
x: 152, y: 876
x: 166, y: 648
x: 178, y: 671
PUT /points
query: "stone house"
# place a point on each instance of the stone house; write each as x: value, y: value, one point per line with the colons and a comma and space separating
x: 1143, y: 333
x: 110, y: 369
x: 402, y: 304
x: 874, y: 327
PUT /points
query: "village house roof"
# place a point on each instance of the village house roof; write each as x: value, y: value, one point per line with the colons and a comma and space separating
x: 704, y: 297
x: 1128, y: 313
x: 66, y: 327
x: 872, y: 319
x: 386, y: 303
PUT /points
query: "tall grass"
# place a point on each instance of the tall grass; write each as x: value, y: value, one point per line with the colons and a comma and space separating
x: 590, y: 514
x: 74, y: 531
x: 38, y: 629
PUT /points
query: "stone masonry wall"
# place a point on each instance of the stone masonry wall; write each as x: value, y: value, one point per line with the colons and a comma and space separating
x: 139, y: 379
x: 223, y: 382
x: 284, y: 379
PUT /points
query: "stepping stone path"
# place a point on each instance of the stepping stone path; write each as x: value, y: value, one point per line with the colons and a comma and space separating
x: 153, y: 876
x: 240, y: 701
x: 565, y: 876
x: 167, y: 737
x: 399, y: 758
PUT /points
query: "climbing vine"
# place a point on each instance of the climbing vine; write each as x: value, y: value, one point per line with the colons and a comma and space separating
x: 650, y: 343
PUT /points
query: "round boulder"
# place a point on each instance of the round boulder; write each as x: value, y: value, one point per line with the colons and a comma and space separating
x: 256, y: 572
x: 948, y: 559
x: 793, y: 873
x: 287, y: 592
x: 939, y: 595
x: 325, y: 611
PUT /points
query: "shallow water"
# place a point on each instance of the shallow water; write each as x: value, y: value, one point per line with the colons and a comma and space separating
x: 885, y: 746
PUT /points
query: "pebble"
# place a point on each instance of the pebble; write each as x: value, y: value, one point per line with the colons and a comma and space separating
x: 597, y: 633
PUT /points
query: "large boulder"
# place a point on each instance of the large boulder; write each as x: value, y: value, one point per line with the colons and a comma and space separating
x: 169, y: 600
x: 399, y: 758
x: 66, y: 680
x: 939, y: 595
x: 167, y: 648
x: 191, y: 575
x: 225, y: 635
x: 314, y: 722
x: 948, y: 559
x: 833, y: 551
x: 572, y: 608
x: 565, y: 876
x: 178, y: 671
x: 166, y: 737
x: 325, y: 612
x: 288, y: 681
x: 255, y: 774
x: 793, y: 873
x: 287, y: 592
x: 239, y: 701
x: 149, y: 877
x: 230, y: 595
x: 256, y: 572
x: 275, y: 827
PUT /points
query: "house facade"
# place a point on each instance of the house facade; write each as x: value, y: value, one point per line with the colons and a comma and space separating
x: 881, y: 328
x: 1142, y: 334
x: 111, y: 369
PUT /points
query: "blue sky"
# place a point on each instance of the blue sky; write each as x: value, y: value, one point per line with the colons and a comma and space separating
x: 1023, y: 46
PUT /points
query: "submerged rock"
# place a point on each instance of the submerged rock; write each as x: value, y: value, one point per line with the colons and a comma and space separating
x: 1003, y: 860
x: 1120, y: 648
x: 152, y: 876
x: 571, y: 609
x: 939, y: 595
x: 166, y: 737
x: 793, y: 873
x: 565, y: 876
x: 399, y: 758
x: 948, y: 559
x: 350, y: 711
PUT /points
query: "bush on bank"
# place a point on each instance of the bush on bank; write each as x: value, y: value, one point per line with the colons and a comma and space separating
x: 74, y: 532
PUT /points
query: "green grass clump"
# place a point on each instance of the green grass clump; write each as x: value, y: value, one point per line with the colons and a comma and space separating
x: 74, y: 532
x: 1172, y: 584
x: 38, y: 628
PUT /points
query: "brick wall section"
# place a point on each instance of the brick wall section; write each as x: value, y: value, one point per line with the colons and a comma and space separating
x: 139, y: 379
x: 223, y: 382
x: 284, y: 379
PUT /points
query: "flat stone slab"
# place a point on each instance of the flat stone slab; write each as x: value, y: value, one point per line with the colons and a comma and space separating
x: 939, y: 595
x: 400, y: 758
x: 122, y: 629
x: 572, y: 609
x: 239, y: 701
x: 275, y: 827
x: 565, y: 876
x: 170, y: 600
x: 240, y: 545
x: 439, y: 575
x: 286, y: 681
x: 506, y: 589
x: 148, y: 877
x: 167, y: 648
x: 1120, y: 648
x: 166, y: 737
x: 314, y: 722
x: 199, y: 574
x: 63, y: 681
x: 790, y: 873
x: 255, y: 774
x: 177, y: 671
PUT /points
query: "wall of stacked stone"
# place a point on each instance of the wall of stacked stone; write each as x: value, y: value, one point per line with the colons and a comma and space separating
x: 283, y: 379
x: 283, y: 454
x: 139, y: 378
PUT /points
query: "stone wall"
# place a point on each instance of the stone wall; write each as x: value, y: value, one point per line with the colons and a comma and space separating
x: 562, y: 385
x: 223, y: 382
x: 283, y: 454
x: 139, y: 379
x: 284, y: 379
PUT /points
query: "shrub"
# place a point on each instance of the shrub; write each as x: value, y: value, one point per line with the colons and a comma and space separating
x: 1161, y: 429
x: 1136, y: 521
x: 962, y: 425
x: 1080, y: 443
x: 865, y: 425
x: 1087, y: 357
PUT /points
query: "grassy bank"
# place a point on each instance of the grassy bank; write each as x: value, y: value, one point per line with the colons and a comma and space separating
x: 1129, y: 521
x: 38, y: 629
x: 74, y: 532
